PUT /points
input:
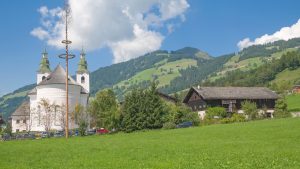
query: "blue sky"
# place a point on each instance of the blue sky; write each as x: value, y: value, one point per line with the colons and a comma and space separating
x: 214, y: 26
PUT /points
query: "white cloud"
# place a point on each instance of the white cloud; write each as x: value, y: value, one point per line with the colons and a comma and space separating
x: 39, y: 33
x: 143, y: 42
x: 130, y: 28
x: 284, y: 33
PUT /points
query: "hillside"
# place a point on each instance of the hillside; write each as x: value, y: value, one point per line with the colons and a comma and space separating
x: 257, y: 144
x: 178, y: 70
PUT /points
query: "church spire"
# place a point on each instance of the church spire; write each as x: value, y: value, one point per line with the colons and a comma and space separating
x: 82, y: 65
x: 44, y: 64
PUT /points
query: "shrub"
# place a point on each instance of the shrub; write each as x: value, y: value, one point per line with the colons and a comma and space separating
x: 82, y: 128
x: 250, y: 109
x: 234, y: 118
x: 215, y: 111
x: 238, y: 118
x: 169, y: 125
x: 281, y: 109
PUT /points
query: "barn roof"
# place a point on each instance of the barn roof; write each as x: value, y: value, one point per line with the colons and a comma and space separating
x: 22, y: 110
x: 213, y: 93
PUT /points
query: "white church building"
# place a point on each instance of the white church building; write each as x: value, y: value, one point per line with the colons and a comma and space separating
x: 33, y: 115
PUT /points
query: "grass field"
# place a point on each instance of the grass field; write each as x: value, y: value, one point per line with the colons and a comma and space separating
x: 287, y: 76
x: 260, y: 144
x: 161, y: 70
x: 293, y: 102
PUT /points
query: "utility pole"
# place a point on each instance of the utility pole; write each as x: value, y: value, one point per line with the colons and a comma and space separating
x: 67, y: 56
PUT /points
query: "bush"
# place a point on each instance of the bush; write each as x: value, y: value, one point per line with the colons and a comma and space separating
x: 215, y: 111
x: 250, y: 109
x: 82, y: 128
x: 178, y: 113
x: 169, y: 125
x: 234, y: 118
x: 238, y: 118
x: 281, y: 109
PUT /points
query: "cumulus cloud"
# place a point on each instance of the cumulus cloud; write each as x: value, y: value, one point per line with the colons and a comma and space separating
x: 284, y: 33
x: 129, y: 28
x: 143, y: 42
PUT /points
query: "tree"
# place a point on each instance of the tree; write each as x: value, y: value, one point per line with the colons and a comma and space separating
x: 104, y: 110
x: 81, y: 118
x: 46, y: 113
x: 250, y: 109
x: 143, y: 109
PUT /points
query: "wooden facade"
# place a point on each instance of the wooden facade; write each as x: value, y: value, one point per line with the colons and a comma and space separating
x: 199, y: 99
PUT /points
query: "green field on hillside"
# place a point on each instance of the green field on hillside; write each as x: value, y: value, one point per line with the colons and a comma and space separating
x: 287, y: 76
x: 165, y: 72
x: 293, y: 102
x: 258, y: 144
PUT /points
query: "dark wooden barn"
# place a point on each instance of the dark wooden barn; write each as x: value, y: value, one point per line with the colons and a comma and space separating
x: 230, y: 98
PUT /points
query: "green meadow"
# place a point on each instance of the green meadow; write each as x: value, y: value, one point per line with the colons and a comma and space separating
x: 258, y: 144
x: 293, y: 102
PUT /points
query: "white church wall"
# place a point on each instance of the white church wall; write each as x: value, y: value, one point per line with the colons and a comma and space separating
x: 55, y: 94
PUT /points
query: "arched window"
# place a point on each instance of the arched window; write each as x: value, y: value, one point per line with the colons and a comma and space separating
x: 82, y: 79
x: 44, y: 77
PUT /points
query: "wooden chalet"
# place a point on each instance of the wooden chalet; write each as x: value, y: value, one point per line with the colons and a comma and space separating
x: 230, y: 98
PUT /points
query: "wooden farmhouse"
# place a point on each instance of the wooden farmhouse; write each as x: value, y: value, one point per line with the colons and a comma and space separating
x: 230, y: 98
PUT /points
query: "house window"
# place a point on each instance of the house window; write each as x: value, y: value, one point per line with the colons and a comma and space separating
x: 17, y: 130
x: 82, y: 79
x: 18, y: 121
x: 24, y: 121
x: 44, y: 77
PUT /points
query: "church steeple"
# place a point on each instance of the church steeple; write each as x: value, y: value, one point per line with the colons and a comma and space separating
x: 44, y: 64
x: 82, y: 74
x: 82, y: 65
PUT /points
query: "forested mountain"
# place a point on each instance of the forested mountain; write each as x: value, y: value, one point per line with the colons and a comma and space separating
x: 174, y: 71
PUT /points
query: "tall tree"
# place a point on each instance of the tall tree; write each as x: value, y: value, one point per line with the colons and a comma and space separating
x: 143, y: 109
x: 104, y: 110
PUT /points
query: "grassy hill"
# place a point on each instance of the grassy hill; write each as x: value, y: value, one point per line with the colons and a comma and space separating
x: 250, y: 145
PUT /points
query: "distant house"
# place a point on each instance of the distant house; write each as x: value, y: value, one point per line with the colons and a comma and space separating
x: 296, y: 89
x: 167, y: 98
x: 20, y: 118
x: 230, y: 98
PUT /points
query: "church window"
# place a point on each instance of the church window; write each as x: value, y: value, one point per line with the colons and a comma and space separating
x: 44, y: 77
x: 82, y: 79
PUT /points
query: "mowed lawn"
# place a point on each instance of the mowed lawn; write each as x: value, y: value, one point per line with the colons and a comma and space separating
x: 260, y: 144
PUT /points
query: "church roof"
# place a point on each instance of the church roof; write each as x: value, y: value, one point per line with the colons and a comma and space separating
x: 22, y: 110
x: 58, y: 76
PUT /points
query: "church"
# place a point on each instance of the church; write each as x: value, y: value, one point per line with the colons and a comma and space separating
x: 35, y: 114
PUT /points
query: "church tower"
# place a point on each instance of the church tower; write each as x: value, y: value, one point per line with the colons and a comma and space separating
x: 44, y: 69
x: 82, y: 74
